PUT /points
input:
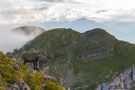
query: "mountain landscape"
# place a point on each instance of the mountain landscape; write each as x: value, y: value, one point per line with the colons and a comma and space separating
x: 84, y: 24
x: 24, y: 33
x: 91, y: 60
x: 67, y: 45
x: 81, y: 25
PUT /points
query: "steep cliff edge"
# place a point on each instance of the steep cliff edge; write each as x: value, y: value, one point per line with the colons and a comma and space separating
x: 125, y: 80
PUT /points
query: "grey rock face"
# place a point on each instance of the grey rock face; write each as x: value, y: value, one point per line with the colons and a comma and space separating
x: 32, y: 71
x: 105, y: 86
x: 16, y: 67
x: 124, y: 81
x: 19, y: 86
x: 47, y: 77
x: 70, y: 79
x: 60, y: 81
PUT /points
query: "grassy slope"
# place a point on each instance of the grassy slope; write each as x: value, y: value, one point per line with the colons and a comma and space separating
x: 91, y: 71
x: 8, y: 76
x: 106, y: 68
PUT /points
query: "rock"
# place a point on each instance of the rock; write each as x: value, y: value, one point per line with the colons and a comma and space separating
x: 85, y: 86
x: 9, y: 55
x: 31, y: 70
x: 47, y: 77
x: 16, y: 67
x: 20, y: 86
x: 133, y: 73
x: 54, y: 55
x: 77, y: 88
x: 60, y: 81
x: 43, y: 62
x: 125, y: 80
x: 70, y: 78
x: 68, y: 88
x: 105, y: 86
x: 43, y: 86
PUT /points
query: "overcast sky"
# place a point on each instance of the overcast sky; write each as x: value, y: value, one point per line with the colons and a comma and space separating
x: 26, y: 11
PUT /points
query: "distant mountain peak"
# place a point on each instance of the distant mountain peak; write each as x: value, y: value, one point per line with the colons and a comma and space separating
x: 28, y: 30
x: 97, y: 33
x: 98, y: 30
x: 80, y: 24
x: 83, y: 19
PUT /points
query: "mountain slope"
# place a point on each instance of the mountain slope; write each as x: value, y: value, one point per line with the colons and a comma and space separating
x: 83, y: 59
x: 15, y: 76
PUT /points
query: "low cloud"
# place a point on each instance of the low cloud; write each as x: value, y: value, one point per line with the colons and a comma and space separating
x: 10, y: 41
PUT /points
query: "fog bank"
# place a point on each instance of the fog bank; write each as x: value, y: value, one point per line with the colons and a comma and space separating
x: 10, y: 41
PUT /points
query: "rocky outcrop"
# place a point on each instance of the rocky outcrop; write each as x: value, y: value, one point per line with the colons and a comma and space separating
x: 53, y: 55
x: 19, y: 86
x: 70, y: 78
x: 125, y: 80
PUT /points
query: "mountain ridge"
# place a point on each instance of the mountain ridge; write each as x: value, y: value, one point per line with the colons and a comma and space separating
x: 84, y: 24
x: 86, y: 58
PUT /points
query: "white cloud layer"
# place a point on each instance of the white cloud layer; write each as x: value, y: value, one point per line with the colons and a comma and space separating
x: 10, y: 41
x: 25, y: 11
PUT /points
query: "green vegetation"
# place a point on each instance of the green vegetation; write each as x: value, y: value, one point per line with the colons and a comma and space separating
x: 9, y: 75
x: 94, y: 55
x: 133, y: 88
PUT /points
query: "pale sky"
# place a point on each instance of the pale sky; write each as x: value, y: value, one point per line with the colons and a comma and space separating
x: 27, y: 11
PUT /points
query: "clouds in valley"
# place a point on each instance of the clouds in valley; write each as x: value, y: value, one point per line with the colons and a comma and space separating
x: 9, y: 41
